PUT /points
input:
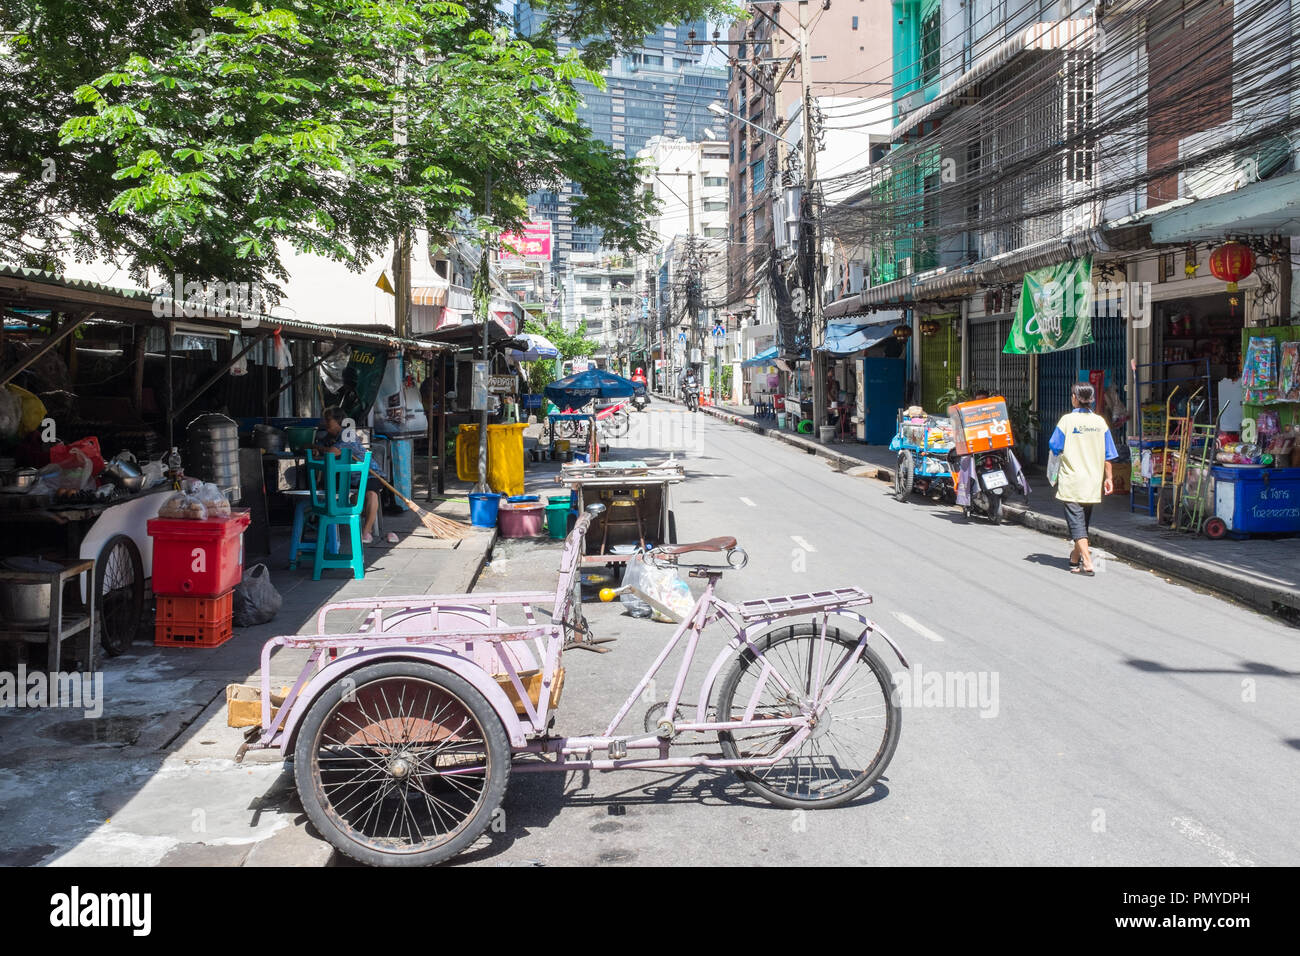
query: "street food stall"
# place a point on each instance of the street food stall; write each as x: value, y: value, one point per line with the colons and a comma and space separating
x: 101, y: 388
x: 638, y: 505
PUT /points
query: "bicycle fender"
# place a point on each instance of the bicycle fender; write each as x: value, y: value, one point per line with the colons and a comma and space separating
x: 438, y: 657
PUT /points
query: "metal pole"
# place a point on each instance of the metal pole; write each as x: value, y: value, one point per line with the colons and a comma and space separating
x: 485, y: 263
x: 167, y: 348
x: 810, y: 178
x: 428, y: 460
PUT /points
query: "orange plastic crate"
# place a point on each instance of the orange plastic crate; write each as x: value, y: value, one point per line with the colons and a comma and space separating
x: 194, y: 621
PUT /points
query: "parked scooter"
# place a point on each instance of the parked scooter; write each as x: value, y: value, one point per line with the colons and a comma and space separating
x: 990, y: 477
x: 986, y: 467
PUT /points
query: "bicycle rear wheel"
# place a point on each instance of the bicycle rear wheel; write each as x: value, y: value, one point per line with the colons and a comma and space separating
x: 854, y: 737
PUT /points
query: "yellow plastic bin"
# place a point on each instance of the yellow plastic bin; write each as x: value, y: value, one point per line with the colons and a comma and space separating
x: 505, y: 456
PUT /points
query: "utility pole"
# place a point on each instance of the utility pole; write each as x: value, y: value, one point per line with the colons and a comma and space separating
x: 485, y: 262
x: 814, y: 295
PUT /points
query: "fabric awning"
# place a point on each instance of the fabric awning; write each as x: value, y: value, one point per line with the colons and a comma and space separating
x: 846, y: 338
x: 766, y: 357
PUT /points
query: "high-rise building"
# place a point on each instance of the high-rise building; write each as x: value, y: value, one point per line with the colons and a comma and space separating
x: 662, y: 89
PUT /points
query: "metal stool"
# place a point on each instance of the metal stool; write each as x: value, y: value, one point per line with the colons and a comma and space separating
x: 620, y: 503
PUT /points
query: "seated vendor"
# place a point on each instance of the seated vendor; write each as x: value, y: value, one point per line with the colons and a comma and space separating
x: 333, y: 444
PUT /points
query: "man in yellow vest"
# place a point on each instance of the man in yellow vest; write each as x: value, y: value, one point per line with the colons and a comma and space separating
x: 1084, y: 452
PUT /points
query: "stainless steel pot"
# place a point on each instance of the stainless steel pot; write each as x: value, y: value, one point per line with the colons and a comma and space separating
x: 124, y: 472
x: 24, y: 477
x: 22, y: 602
x: 268, y: 438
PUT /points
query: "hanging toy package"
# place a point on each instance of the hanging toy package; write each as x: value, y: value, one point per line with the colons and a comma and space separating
x: 398, y: 408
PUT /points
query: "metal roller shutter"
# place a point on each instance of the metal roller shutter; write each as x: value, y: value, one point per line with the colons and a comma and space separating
x: 1058, y: 371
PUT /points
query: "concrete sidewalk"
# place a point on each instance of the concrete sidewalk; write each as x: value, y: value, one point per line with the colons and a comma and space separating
x: 151, y: 780
x: 1261, y: 572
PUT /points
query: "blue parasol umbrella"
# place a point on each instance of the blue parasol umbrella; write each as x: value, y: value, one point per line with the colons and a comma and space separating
x: 577, y: 390
x: 538, y: 347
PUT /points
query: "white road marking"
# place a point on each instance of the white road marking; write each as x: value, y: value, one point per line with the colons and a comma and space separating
x: 917, y: 626
x: 1198, y: 833
x: 802, y: 543
x: 748, y: 502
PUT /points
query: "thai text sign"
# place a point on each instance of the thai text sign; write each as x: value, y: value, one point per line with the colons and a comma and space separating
x: 533, y: 245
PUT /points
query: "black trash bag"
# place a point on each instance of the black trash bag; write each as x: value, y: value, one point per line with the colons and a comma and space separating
x: 255, y: 600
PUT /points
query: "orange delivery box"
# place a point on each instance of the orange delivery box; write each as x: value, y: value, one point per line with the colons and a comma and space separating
x: 981, y: 425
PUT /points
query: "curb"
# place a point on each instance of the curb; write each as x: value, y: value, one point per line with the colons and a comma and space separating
x: 1259, y: 595
x: 841, y: 462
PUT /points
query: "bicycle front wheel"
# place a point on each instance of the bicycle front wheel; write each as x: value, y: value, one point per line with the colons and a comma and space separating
x: 854, y: 736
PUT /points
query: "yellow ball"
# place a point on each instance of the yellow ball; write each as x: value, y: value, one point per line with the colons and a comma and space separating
x: 607, y: 594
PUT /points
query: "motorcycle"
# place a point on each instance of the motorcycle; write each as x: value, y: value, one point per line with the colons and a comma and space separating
x: 692, y: 399
x: 992, y: 476
x: 641, y: 399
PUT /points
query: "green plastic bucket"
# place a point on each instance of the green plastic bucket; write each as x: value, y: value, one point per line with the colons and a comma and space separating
x: 557, y: 517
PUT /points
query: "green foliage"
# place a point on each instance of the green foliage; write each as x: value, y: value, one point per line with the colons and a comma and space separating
x: 572, y: 345
x: 207, y: 140
x: 1024, y: 427
x: 954, y: 396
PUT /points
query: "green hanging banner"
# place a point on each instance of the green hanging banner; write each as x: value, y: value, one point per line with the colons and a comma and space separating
x: 1055, y: 310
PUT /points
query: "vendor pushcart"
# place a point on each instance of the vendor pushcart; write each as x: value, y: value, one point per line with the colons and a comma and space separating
x: 638, y: 505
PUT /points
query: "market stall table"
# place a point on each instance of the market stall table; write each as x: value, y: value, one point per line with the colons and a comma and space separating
x: 112, y: 532
x: 643, y: 490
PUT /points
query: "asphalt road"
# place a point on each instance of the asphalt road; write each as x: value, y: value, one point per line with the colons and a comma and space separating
x: 1120, y: 720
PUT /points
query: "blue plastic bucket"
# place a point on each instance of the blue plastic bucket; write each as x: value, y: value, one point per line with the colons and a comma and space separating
x: 483, y: 510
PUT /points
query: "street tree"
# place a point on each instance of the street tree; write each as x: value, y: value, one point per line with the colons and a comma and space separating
x: 210, y: 138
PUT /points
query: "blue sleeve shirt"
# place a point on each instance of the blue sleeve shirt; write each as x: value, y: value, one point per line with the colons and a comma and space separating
x: 1057, y: 441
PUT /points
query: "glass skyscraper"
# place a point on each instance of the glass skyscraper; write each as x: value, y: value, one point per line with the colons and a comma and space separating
x: 662, y: 89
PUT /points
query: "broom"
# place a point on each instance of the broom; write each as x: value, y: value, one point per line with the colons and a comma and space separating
x: 440, y: 527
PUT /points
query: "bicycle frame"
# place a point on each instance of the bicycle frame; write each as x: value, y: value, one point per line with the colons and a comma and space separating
x: 576, y: 753
x: 476, y: 633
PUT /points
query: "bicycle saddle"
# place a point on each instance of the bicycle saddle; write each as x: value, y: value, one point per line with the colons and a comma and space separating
x: 712, y: 544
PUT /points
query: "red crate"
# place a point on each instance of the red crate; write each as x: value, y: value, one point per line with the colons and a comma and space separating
x: 197, y: 558
x: 194, y: 621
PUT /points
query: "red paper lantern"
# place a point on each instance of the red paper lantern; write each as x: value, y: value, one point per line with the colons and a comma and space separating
x: 1232, y: 262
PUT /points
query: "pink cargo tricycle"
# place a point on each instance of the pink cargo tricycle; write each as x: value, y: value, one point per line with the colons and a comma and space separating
x: 404, y: 732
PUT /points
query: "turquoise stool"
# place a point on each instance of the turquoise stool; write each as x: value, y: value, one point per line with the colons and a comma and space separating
x: 296, y: 545
x: 332, y: 503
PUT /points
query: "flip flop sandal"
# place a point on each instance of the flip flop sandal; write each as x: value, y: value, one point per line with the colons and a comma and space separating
x: 1087, y: 572
x: 1075, y: 565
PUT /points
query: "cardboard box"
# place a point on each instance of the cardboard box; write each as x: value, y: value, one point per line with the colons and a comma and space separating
x: 1122, y: 473
x: 981, y: 426
x: 244, y: 704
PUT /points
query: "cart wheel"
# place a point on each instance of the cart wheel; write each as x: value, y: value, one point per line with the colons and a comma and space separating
x: 119, y: 593
x: 1216, y: 528
x: 672, y: 527
x: 401, y: 764
x: 904, y: 475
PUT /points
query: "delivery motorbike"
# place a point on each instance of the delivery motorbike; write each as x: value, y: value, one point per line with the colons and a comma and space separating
x: 983, y: 461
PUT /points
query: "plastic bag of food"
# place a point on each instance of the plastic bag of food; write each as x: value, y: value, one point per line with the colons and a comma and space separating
x: 155, y: 473
x: 661, y: 585
x: 255, y: 600
x: 214, y: 501
x: 182, y: 505
x: 74, y: 473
